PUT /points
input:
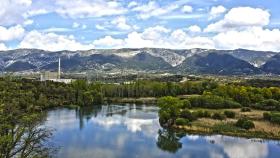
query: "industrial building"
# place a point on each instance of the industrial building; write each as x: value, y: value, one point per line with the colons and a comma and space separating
x: 54, y: 76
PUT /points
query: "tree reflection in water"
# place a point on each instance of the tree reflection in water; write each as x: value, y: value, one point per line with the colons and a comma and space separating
x: 169, y: 140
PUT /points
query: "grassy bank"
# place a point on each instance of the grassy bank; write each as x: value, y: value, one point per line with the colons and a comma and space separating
x: 263, y: 129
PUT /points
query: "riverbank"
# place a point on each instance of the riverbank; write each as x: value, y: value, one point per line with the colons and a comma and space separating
x: 263, y: 129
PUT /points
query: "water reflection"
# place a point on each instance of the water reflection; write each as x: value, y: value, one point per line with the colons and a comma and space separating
x: 133, y: 131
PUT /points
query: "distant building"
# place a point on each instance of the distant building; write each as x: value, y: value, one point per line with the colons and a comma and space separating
x: 54, y: 76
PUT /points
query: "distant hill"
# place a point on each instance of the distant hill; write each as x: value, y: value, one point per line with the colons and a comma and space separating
x: 214, y: 63
x: 272, y: 65
x: 204, y: 61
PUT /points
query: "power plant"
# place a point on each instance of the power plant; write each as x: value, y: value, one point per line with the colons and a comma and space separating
x: 54, y: 76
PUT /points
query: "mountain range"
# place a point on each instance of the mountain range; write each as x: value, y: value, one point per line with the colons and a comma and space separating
x: 201, y: 61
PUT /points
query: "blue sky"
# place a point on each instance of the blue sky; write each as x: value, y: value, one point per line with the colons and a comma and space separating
x: 176, y: 24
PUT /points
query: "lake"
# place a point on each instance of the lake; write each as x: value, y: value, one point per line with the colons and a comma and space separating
x: 130, y: 131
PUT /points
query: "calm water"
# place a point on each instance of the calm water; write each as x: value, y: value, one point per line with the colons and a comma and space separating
x: 133, y: 131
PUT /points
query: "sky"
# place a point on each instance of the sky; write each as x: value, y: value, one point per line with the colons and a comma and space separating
x: 111, y: 24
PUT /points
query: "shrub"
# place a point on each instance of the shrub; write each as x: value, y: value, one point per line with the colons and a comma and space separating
x: 186, y: 104
x: 245, y: 124
x: 245, y: 109
x: 218, y: 116
x: 267, y: 116
x: 272, y: 117
x: 269, y: 104
x: 188, y: 115
x: 181, y: 121
x: 229, y: 114
x: 201, y: 113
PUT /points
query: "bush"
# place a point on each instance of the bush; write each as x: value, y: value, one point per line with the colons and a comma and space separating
x: 201, y: 113
x: 245, y: 109
x: 266, y: 116
x: 272, y: 117
x: 245, y: 124
x: 269, y: 104
x: 181, y: 121
x: 218, y: 116
x: 186, y: 104
x: 188, y: 115
x: 229, y: 114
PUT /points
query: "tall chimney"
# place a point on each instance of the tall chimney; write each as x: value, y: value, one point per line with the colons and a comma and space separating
x: 58, y: 68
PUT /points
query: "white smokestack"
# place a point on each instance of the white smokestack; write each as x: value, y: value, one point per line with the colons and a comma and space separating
x: 59, y: 68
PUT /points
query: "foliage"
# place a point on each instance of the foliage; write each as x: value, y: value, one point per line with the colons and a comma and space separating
x: 273, y: 117
x: 229, y: 114
x: 245, y: 124
x: 202, y: 113
x: 169, y: 109
x: 269, y: 104
x: 185, y: 113
x: 182, y: 121
x: 213, y: 102
x: 218, y: 116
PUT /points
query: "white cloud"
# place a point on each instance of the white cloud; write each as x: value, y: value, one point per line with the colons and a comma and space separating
x: 187, y: 9
x: 35, y: 12
x: 84, y: 26
x: 216, y: 11
x: 28, y: 22
x: 100, y: 27
x: 255, y: 38
x: 240, y: 18
x: 132, y: 4
x: 12, y: 11
x: 3, y: 47
x: 52, y: 42
x: 8, y: 34
x: 88, y: 8
x: 75, y: 25
x: 121, y: 23
x: 152, y: 9
x: 57, y: 29
x: 194, y: 29
x: 156, y: 37
x: 108, y: 42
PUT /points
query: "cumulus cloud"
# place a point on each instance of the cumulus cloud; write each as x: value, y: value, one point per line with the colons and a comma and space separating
x: 100, y: 27
x: 187, y: 9
x: 108, y: 42
x: 12, y: 11
x: 132, y: 4
x: 3, y: 46
x: 255, y: 38
x: 243, y: 27
x: 75, y: 25
x: 153, y: 9
x: 156, y: 37
x: 240, y: 18
x: 8, y: 34
x: 194, y: 29
x: 52, y: 42
x: 216, y: 11
x: 121, y: 23
x: 88, y: 8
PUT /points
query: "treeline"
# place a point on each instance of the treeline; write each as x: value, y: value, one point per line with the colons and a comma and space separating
x: 247, y: 96
x: 148, y: 88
